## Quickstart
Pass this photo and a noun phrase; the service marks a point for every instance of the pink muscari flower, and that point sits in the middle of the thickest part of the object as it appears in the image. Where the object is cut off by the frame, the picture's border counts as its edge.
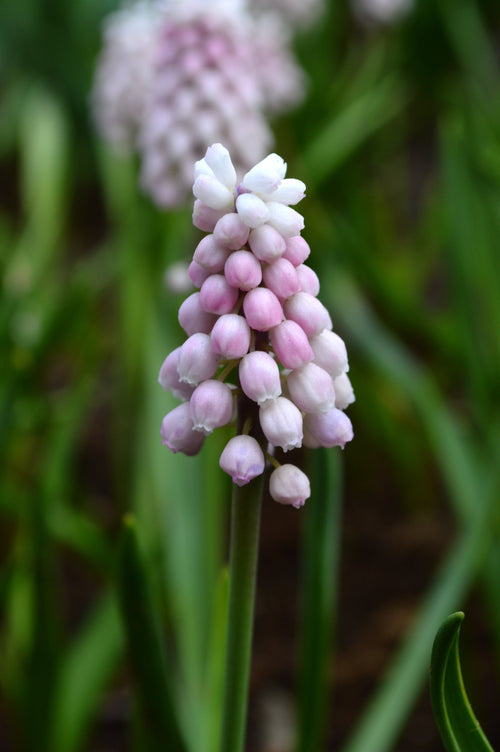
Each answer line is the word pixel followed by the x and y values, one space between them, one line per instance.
pixel 231 232
pixel 289 191
pixel 290 344
pixel 308 278
pixel 193 318
pixel 262 309
pixel 308 312
pixel 252 209
pixel 327 429
pixel 205 218
pixel 267 180
pixel 287 221
pixel 210 254
pixel 289 485
pixel 168 377
pixel 281 422
pixel 260 377
pixel 211 406
pixel 243 270
pixel 197 361
pixel 197 274
pixel 217 295
pixel 266 176
pixel 344 394
pixel 243 459
pixel 266 243
pixel 282 278
pixel 329 352
pixel 177 431
pixel 311 388
pixel 230 336
pixel 218 159
pixel 296 250
pixel 212 192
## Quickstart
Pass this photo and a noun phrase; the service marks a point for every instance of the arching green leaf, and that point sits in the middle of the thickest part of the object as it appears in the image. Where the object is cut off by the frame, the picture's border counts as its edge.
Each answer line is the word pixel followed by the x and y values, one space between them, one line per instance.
pixel 458 726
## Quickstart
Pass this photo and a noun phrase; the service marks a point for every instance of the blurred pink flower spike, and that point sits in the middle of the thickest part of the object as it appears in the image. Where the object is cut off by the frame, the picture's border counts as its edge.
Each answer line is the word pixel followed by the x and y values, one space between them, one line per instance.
pixel 174 77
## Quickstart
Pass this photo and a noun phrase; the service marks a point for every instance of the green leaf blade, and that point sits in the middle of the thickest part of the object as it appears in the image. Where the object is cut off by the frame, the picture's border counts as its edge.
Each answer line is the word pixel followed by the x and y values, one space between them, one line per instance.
pixel 458 726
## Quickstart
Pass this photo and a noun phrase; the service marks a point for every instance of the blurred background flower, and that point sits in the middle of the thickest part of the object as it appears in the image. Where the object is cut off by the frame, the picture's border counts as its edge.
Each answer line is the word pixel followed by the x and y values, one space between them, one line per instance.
pixel 175 77
pixel 125 73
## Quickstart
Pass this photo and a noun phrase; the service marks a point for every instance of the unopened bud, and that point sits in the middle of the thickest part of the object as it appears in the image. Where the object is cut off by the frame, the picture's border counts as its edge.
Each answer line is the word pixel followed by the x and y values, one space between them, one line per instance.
pixel 308 312
pixel 309 281
pixel 243 459
pixel 252 210
pixel 289 485
pixel 281 422
pixel 231 232
pixel 290 344
pixel 284 219
pixel 329 352
pixel 311 388
pixel 242 270
pixel 193 318
pixel 217 295
pixel 210 254
pixel 282 278
pixel 177 431
pixel 266 243
pixel 266 175
pixel 296 250
pixel 344 394
pixel 230 336
pixel 213 193
pixel 327 429
pixel 211 406
pixel 262 309
pixel 204 217
pixel 260 377
pixel 197 361
pixel 169 378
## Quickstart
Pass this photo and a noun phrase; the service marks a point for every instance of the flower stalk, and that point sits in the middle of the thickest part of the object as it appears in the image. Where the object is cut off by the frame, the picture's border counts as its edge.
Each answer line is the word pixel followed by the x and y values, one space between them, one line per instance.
pixel 245 527
pixel 244 548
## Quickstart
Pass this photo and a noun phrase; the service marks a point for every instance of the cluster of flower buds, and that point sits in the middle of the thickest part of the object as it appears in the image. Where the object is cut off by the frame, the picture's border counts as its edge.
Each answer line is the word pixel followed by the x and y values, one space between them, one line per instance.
pixel 257 334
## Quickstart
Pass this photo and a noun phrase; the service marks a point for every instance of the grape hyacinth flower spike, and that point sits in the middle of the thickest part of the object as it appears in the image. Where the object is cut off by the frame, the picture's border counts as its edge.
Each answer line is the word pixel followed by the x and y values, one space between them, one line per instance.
pixel 260 353
pixel 260 350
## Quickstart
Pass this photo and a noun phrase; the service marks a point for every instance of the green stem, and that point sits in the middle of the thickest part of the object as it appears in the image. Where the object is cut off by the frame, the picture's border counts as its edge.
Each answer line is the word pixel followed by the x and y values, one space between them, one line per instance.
pixel 245 525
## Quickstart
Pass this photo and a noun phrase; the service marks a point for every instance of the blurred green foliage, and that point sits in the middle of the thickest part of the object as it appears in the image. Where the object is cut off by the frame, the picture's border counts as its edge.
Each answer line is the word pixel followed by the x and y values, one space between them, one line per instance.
pixel 399 144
